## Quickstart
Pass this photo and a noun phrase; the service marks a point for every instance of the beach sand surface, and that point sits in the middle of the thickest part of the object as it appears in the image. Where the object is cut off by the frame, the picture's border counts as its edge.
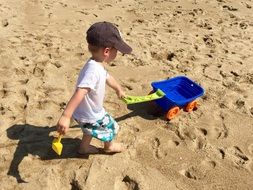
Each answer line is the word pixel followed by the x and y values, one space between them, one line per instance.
pixel 42 50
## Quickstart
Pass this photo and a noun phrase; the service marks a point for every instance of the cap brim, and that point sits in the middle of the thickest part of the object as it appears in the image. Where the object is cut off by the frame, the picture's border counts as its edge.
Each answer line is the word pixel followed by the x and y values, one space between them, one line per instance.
pixel 123 47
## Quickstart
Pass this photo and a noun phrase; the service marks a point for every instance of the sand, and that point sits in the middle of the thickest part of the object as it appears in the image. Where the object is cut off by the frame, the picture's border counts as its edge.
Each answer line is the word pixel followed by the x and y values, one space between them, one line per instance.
pixel 42 50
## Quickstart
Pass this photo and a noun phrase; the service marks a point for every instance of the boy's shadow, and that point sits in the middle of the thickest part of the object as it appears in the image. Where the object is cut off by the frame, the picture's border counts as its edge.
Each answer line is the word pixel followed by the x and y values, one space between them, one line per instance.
pixel 35 140
pixel 147 110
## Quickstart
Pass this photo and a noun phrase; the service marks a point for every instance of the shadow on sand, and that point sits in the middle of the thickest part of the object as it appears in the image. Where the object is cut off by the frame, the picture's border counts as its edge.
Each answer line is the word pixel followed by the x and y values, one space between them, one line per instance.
pixel 147 110
pixel 35 140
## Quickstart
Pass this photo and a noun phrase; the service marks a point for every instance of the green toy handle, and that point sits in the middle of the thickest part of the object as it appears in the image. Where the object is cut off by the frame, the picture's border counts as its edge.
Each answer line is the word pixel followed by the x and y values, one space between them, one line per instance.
pixel 138 99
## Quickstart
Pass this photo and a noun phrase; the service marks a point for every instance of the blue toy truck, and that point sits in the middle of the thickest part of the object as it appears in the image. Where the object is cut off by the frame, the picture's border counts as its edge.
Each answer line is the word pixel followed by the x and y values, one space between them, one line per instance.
pixel 172 95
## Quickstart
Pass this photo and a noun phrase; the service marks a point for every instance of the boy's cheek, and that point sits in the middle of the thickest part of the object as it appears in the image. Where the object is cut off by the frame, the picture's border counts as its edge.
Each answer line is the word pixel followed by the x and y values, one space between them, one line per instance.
pixel 115 54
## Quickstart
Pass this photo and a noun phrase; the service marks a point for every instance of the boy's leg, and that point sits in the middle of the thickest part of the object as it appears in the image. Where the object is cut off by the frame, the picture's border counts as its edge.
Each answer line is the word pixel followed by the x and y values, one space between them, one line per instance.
pixel 85 147
pixel 113 147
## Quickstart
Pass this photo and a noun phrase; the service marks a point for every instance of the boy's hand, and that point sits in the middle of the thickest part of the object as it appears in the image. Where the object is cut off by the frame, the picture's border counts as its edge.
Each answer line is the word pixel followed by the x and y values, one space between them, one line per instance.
pixel 64 121
pixel 63 125
pixel 120 93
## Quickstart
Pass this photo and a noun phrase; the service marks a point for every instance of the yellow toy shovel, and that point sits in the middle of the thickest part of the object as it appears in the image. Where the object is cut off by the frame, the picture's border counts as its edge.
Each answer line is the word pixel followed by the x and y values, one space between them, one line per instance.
pixel 57 145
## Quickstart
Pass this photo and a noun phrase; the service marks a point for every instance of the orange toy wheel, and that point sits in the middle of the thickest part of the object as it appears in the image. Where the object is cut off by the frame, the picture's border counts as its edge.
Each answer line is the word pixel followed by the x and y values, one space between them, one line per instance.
pixel 173 112
pixel 191 106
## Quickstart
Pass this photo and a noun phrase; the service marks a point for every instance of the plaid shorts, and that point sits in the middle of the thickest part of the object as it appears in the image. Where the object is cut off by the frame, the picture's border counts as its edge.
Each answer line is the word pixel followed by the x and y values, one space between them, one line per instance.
pixel 104 129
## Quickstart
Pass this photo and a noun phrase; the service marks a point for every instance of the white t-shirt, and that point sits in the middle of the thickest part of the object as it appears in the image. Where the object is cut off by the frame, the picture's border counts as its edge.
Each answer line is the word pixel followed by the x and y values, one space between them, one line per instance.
pixel 93 76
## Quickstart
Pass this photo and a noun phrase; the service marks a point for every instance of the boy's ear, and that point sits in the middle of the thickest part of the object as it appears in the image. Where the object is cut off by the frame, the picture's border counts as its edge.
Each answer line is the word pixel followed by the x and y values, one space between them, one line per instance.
pixel 106 51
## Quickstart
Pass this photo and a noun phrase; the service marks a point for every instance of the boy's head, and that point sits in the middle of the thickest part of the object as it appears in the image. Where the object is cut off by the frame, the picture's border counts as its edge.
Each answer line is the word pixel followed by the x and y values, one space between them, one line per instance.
pixel 104 37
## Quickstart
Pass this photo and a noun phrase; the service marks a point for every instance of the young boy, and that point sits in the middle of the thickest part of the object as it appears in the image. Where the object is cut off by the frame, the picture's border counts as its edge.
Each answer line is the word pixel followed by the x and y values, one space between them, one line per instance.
pixel 86 104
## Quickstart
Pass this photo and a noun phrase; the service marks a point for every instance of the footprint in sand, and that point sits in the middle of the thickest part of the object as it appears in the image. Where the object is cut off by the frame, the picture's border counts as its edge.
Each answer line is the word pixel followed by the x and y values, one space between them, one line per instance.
pixel 189 134
pixel 155 145
pixel 57 65
pixel 236 155
pixel 130 183
pixel 172 144
pixel 203 131
pixel 189 173
pixel 192 173
pixel 199 143
pixel 208 164
pixel 218 153
pixel 221 153
pixel 158 151
pixel 200 171
pixel 186 133
pixel 218 133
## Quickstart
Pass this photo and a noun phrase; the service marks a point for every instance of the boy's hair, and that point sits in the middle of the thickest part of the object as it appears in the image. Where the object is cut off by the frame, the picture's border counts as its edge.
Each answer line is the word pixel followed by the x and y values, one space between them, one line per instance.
pixel 105 34
pixel 93 49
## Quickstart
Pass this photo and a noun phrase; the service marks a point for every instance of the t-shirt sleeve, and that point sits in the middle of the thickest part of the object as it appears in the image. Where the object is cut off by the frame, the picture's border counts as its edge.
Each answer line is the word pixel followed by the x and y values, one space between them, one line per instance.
pixel 87 80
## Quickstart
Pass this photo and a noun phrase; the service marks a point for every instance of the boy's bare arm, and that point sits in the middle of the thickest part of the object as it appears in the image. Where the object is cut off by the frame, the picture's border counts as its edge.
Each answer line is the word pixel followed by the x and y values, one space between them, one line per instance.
pixel 110 81
pixel 64 121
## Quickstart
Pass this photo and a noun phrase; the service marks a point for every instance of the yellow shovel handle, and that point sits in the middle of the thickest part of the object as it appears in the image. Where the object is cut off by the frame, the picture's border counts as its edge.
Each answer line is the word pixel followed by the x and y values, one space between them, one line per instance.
pixel 59 138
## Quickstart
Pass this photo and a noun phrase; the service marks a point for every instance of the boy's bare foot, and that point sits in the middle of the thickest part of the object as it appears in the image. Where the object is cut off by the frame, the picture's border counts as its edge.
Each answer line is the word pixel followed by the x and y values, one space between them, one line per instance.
pixel 90 150
pixel 114 148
